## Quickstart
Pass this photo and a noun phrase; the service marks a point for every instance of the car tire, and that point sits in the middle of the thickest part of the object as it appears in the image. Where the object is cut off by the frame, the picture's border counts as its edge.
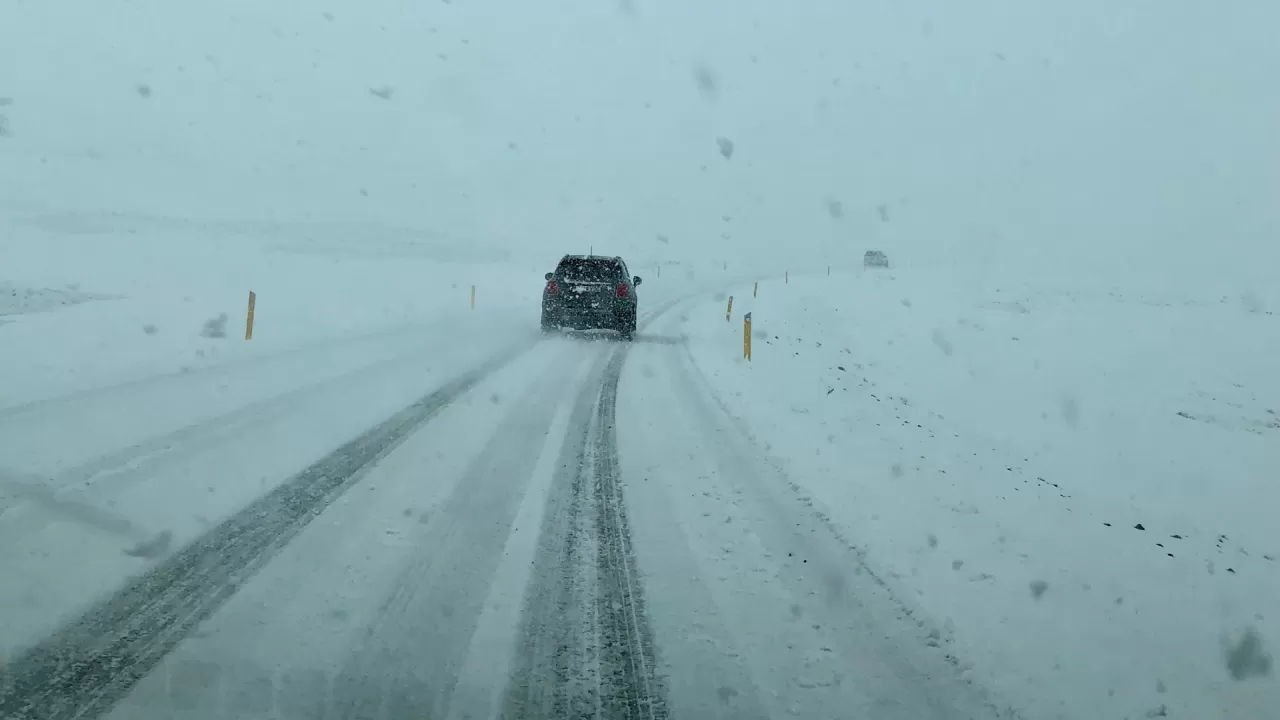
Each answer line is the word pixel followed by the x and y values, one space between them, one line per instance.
pixel 628 329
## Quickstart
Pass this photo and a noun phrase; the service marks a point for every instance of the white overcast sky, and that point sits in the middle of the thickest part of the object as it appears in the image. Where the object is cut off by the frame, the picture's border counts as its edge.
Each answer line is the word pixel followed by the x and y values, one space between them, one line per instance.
pixel 1142 131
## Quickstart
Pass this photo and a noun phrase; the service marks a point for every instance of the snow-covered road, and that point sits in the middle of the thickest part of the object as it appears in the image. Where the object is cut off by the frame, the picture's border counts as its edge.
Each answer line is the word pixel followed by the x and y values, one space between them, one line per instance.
pixel 563 528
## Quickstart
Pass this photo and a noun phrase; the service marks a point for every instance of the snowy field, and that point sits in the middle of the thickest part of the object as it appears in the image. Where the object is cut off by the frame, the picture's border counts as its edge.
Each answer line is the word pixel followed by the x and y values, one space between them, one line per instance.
pixel 1077 479
pixel 139 295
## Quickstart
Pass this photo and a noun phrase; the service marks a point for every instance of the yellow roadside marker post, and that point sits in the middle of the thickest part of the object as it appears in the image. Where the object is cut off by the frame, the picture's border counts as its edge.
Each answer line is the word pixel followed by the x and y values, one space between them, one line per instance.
pixel 248 323
pixel 746 336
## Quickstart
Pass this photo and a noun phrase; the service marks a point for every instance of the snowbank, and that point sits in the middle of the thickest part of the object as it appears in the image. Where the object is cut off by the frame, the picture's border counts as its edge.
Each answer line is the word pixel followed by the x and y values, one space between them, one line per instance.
pixel 1077 479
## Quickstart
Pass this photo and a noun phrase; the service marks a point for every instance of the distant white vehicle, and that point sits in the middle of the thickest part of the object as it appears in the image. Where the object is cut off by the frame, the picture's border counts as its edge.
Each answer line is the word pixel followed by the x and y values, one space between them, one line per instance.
pixel 875 259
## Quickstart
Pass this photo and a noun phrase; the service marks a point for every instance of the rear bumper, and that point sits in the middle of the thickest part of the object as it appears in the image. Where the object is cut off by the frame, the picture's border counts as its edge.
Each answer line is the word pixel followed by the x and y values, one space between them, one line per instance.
pixel 615 316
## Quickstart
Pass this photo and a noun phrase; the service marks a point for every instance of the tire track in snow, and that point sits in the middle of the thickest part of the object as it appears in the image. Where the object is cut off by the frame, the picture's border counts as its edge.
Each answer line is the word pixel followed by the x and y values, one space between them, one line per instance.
pixel 553 676
pixel 79 493
pixel 585 649
pixel 409 660
pixel 629 683
pixel 147 458
pixel 413 655
pixel 84 668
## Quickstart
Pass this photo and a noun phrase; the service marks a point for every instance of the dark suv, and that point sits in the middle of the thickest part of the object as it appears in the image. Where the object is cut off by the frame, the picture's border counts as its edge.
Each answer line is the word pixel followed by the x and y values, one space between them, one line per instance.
pixel 589 292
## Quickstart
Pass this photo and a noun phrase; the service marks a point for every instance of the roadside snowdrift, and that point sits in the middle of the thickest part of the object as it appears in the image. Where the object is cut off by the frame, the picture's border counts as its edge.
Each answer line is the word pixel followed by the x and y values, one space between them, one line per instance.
pixel 1076 480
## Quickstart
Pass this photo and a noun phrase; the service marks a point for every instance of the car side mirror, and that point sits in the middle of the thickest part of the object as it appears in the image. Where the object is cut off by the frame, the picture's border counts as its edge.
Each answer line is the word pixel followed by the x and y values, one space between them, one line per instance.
pixel 636 280
pixel 550 275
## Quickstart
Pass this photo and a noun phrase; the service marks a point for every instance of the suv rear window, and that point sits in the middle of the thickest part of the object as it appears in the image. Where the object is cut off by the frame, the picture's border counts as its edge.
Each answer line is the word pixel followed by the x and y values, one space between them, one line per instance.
pixel 589 270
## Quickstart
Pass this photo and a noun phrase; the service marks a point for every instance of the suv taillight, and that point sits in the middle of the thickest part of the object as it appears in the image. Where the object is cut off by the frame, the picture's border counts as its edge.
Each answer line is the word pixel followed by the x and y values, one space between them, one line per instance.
pixel 552 287
pixel 623 291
